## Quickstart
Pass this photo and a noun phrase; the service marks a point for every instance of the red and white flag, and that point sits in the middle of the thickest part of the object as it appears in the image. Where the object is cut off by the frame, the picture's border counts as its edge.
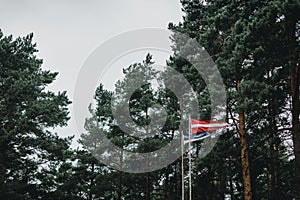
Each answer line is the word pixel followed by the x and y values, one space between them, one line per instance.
pixel 199 126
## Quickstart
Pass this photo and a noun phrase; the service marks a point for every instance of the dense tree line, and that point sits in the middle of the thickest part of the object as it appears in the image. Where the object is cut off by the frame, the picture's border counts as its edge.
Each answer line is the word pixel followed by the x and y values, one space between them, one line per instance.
pixel 255 45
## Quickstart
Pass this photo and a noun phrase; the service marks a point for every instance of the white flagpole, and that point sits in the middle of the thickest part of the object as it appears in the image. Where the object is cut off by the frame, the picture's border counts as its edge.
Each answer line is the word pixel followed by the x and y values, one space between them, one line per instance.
pixel 182 155
pixel 190 160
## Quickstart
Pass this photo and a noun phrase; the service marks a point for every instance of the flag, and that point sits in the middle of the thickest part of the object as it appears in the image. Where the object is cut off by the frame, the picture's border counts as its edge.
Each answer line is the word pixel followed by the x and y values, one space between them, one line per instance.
pixel 200 126
pixel 199 129
pixel 194 138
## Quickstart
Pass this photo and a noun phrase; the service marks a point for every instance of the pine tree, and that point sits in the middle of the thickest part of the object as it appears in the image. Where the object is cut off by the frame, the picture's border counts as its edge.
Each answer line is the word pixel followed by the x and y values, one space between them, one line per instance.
pixel 127 185
pixel 28 111
pixel 243 39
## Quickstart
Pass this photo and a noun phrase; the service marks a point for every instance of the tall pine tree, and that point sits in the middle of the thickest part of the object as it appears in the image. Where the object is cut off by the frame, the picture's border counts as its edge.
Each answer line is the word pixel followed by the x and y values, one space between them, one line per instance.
pixel 27 112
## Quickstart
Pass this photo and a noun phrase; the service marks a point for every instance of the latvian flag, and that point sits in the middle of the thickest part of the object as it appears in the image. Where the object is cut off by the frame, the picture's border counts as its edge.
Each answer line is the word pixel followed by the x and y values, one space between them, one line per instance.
pixel 200 128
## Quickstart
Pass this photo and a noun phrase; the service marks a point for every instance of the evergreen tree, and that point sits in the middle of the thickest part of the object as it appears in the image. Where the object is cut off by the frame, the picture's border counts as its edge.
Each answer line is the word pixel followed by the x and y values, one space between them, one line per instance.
pixel 28 150
pixel 134 186
pixel 249 41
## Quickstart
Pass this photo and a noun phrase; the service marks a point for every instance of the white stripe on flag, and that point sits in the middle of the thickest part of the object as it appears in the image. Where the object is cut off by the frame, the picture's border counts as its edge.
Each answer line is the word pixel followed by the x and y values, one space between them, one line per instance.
pixel 196 139
pixel 207 125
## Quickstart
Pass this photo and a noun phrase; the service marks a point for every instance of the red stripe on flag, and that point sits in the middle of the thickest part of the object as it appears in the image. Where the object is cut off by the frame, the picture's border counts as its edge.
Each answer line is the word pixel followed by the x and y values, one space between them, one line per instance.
pixel 199 126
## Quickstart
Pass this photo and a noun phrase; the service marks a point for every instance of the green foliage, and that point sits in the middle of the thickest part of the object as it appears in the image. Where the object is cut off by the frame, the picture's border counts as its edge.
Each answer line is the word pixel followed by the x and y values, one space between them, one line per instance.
pixel 249 41
pixel 27 111
pixel 254 43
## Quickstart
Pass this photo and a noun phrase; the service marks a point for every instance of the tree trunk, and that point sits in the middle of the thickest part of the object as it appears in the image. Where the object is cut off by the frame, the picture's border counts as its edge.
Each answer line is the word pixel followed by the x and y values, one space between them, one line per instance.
pixel 121 170
pixel 292 19
pixel 120 185
pixel 148 186
pixel 274 172
pixel 167 187
pixel 92 182
pixel 232 197
pixel 181 177
pixel 148 196
pixel 244 157
pixel 244 152
pixel 274 155
pixel 295 83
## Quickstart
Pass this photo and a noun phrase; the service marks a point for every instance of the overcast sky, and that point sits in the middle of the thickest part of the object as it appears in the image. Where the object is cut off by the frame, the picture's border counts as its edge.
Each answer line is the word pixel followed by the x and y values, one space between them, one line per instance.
pixel 67 31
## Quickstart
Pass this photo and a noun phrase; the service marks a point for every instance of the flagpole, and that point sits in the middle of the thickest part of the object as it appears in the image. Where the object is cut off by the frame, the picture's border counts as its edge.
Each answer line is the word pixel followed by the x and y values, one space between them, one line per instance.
pixel 190 160
pixel 182 166
pixel 182 155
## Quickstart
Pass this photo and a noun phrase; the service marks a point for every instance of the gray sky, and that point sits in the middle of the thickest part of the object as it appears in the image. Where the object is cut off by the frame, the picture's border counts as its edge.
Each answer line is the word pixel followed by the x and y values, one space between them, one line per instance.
pixel 67 31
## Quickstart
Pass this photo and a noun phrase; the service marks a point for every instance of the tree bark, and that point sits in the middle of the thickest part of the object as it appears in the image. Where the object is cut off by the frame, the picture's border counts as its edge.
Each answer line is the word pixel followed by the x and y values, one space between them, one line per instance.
pixel 245 158
pixel 244 152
